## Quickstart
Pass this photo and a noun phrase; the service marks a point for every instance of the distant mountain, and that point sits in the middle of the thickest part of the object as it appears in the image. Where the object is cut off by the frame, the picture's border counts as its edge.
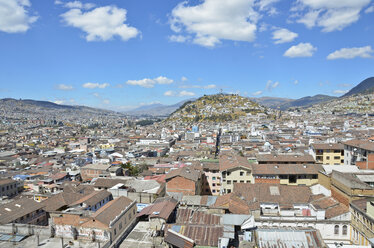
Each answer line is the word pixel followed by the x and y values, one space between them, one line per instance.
pixel 30 106
pixel 271 102
pixel 306 101
pixel 216 108
pixel 156 109
pixel 366 86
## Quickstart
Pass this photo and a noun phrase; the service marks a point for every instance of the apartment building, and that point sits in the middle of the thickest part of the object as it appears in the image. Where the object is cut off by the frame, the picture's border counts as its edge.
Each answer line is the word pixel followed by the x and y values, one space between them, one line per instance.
pixel 234 169
pixel 329 154
pixel 362 221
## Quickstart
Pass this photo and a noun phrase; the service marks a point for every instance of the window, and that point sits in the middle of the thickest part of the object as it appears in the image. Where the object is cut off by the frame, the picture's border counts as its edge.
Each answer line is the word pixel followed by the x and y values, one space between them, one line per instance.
pixel 327 157
pixel 345 230
pixel 336 157
pixel 336 230
pixel 228 173
pixel 120 226
pixel 115 231
pixel 228 181
pixel 214 178
pixel 248 173
pixel 241 173
pixel 214 191
pixel 228 191
pixel 235 181
pixel 242 181
pixel 213 184
pixel 248 181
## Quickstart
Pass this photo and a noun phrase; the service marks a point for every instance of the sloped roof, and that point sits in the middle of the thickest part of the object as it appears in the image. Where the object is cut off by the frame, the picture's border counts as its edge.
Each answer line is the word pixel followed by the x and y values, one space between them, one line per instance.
pixel 273 193
pixel 161 209
pixel 230 161
pixel 363 144
pixel 286 169
pixel 18 208
pixel 186 172
pixel 111 210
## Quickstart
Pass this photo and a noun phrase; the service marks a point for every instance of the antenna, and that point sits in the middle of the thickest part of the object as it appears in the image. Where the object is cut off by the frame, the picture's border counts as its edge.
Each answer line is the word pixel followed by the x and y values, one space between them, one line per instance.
pixel 221 91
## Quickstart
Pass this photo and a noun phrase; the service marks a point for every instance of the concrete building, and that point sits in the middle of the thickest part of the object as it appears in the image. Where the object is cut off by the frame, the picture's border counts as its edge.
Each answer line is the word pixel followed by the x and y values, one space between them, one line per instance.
pixel 357 151
pixel 234 169
pixel 330 154
pixel 10 187
pixel 362 212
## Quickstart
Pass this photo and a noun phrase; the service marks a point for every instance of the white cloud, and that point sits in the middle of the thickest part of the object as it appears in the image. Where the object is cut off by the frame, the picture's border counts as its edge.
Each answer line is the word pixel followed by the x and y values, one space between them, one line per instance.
pixel 186 93
pixel 283 35
pixel 106 101
pixel 345 85
pixel 330 15
pixel 257 93
pixel 339 92
pixel 95 85
pixel 163 80
pixel 14 16
pixel 178 38
pixel 101 24
pixel 59 102
pixel 350 53
pixel 266 5
pixel 271 85
pixel 296 82
pixel 300 50
pixel 150 83
pixel 96 94
pixel 182 93
pixel 184 79
pixel 370 9
pixel 213 20
pixel 64 87
pixel 78 5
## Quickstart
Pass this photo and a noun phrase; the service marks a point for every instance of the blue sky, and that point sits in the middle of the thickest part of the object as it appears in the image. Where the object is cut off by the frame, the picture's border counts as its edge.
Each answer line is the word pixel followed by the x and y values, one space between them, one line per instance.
pixel 126 53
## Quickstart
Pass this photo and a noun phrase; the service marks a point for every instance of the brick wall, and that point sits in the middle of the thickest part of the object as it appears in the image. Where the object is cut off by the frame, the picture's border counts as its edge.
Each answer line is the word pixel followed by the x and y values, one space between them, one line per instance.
pixel 181 185
pixel 369 165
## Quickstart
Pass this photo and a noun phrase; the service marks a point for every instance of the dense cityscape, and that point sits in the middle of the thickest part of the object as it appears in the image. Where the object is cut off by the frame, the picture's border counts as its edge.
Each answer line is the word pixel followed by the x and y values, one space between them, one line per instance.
pixel 186 123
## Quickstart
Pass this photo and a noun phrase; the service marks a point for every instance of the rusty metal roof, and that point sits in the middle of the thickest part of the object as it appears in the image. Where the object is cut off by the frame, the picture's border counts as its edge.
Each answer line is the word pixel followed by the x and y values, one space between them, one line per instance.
pixel 289 238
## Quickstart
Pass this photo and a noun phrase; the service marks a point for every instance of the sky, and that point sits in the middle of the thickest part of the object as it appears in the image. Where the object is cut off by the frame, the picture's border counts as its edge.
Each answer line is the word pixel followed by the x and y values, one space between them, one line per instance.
pixel 122 54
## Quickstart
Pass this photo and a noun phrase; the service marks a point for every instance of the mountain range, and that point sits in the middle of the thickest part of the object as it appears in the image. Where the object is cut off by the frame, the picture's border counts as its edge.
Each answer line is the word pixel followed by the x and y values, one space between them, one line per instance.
pixel 158 109
pixel 28 105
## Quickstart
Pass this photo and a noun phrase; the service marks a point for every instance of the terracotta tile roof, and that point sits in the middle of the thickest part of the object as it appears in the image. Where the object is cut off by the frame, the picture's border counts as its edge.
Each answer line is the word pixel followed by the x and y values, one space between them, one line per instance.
pixel 93 198
pixel 233 203
pixel 363 144
pixel 285 158
pixel 111 210
pixel 60 200
pixel 325 146
pixel 18 208
pixel 185 172
pixel 233 161
pixel 107 182
pixel 274 193
pixel 336 211
pixel 286 169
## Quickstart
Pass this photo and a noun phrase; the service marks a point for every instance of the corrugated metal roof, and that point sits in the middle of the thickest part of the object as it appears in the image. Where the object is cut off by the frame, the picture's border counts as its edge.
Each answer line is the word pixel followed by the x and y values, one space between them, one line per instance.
pixel 283 238
pixel 234 219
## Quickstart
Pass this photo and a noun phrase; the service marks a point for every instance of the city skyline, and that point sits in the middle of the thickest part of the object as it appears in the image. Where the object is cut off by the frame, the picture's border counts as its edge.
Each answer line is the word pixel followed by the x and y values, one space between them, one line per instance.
pixel 123 54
